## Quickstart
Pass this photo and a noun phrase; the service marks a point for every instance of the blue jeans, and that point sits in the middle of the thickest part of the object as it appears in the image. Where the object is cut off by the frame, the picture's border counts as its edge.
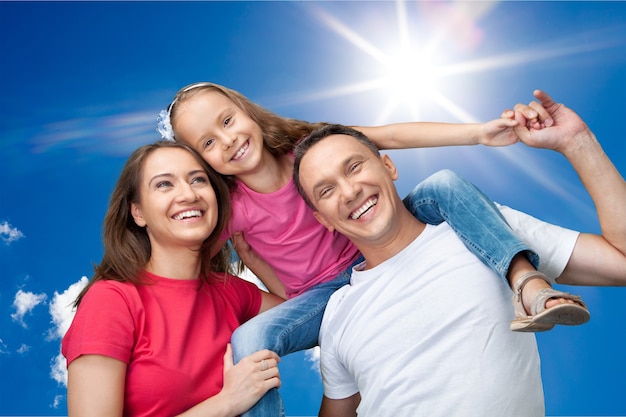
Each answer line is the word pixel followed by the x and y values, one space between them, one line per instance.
pixel 294 325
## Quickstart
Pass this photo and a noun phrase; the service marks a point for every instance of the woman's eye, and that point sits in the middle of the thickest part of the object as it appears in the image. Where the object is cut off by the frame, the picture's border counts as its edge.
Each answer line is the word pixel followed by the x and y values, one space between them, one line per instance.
pixel 163 184
pixel 199 180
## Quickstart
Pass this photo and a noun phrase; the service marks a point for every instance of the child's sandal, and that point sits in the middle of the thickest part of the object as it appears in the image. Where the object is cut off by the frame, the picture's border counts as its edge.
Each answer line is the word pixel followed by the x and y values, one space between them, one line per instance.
pixel 542 319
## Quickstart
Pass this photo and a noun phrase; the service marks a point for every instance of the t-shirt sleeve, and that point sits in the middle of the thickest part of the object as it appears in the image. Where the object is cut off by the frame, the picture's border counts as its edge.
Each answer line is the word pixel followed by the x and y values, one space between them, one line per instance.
pixel 103 324
pixel 247 296
pixel 554 244
pixel 338 383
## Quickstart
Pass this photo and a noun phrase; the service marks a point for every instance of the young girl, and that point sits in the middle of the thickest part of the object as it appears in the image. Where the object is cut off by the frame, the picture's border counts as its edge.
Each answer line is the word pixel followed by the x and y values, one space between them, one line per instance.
pixel 252 148
pixel 138 344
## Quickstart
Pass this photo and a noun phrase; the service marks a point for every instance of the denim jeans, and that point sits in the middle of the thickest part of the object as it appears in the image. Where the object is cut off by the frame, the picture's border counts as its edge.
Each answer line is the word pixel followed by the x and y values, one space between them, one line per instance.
pixel 289 327
pixel 294 325
pixel 477 221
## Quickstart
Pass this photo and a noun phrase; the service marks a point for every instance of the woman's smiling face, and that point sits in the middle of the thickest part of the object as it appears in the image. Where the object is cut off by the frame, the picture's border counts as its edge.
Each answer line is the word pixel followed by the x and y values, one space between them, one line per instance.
pixel 177 205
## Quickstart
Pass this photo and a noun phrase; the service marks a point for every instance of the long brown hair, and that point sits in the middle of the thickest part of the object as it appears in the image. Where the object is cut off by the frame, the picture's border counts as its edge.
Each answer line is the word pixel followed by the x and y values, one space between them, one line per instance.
pixel 127 247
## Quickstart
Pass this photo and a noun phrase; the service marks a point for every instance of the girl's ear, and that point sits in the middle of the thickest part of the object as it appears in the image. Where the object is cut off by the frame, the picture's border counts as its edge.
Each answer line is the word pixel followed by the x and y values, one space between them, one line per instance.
pixel 135 211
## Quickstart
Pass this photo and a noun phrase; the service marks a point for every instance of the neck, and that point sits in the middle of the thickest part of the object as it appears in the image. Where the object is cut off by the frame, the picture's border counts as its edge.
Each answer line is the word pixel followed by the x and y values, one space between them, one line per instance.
pixel 274 173
pixel 175 263
pixel 405 230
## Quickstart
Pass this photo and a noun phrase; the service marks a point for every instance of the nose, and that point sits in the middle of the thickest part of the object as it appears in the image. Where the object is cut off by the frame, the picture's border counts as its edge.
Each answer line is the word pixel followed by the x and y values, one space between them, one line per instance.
pixel 350 190
pixel 227 139
pixel 187 193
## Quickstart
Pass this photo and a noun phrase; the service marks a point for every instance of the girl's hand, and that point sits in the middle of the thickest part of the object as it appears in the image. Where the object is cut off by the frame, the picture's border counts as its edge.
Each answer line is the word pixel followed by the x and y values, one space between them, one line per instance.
pixel 498 132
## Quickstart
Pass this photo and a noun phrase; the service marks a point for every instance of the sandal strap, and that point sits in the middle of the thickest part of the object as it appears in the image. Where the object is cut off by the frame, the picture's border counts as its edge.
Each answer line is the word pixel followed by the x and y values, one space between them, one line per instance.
pixel 518 304
pixel 521 283
pixel 539 303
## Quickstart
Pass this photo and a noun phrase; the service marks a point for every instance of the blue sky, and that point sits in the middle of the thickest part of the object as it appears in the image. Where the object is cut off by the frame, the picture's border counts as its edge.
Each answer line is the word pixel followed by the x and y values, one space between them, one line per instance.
pixel 83 82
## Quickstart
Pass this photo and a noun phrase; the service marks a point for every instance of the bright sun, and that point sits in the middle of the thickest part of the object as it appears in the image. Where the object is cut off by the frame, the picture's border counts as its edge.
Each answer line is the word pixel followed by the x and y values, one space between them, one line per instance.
pixel 410 75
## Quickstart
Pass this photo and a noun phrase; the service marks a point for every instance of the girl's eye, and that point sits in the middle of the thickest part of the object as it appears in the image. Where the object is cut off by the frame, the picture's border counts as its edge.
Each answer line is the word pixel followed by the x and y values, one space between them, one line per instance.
pixel 227 121
pixel 208 143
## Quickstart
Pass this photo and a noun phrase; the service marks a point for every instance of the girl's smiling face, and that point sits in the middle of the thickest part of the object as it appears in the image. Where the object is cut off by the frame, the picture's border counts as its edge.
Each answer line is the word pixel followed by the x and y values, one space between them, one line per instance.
pixel 177 205
pixel 226 137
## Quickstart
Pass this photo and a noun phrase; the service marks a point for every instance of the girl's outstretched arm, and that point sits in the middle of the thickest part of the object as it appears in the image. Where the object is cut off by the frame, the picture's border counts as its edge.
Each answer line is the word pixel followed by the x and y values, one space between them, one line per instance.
pixel 497 132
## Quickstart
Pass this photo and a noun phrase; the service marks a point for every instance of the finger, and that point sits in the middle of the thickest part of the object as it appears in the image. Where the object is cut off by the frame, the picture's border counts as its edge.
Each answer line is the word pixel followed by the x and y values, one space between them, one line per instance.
pixel 527 110
pixel 507 114
pixel 521 130
pixel 544 98
pixel 264 354
pixel 228 358
pixel 543 116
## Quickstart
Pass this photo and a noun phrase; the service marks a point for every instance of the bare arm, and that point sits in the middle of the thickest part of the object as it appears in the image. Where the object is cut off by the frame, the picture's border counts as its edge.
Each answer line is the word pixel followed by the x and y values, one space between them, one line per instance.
pixel 95 386
pixel 258 266
pixel 497 132
pixel 345 407
pixel 269 300
pixel 597 259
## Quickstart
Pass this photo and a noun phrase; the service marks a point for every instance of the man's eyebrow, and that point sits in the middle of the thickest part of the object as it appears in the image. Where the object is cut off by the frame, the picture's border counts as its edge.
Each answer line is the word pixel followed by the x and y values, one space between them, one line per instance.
pixel 324 181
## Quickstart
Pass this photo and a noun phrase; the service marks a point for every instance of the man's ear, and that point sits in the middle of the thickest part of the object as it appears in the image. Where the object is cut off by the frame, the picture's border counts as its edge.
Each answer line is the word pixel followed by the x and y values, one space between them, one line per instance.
pixel 135 211
pixel 322 220
pixel 390 166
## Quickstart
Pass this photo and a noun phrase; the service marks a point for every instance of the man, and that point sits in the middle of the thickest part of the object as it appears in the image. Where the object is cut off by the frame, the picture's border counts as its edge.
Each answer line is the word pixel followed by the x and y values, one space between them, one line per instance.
pixel 423 327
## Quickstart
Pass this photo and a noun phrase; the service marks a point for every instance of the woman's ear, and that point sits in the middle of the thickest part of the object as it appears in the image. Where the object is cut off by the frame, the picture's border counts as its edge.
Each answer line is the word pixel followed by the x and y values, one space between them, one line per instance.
pixel 135 211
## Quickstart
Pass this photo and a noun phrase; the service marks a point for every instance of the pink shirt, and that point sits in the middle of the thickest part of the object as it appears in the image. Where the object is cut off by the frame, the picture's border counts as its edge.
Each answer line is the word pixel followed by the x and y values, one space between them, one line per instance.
pixel 172 335
pixel 281 228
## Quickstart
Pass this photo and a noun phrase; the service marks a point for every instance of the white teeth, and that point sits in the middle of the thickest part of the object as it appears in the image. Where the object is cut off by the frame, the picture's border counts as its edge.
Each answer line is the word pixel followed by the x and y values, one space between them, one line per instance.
pixel 365 207
pixel 187 214
pixel 241 151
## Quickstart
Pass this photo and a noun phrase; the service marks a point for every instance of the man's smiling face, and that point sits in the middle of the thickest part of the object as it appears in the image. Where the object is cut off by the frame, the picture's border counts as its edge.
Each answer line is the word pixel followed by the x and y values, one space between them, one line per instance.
pixel 351 188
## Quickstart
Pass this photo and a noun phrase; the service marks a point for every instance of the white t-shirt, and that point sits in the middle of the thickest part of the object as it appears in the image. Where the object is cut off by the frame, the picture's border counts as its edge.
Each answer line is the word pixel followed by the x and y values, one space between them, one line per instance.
pixel 554 244
pixel 426 333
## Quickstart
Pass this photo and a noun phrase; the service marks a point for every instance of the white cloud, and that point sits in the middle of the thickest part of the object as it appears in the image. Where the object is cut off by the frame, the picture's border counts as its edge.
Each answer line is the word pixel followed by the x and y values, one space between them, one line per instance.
pixel 24 303
pixel 23 349
pixel 57 401
pixel 62 315
pixel 313 355
pixel 9 233
pixel 58 369
pixel 3 348
pixel 61 308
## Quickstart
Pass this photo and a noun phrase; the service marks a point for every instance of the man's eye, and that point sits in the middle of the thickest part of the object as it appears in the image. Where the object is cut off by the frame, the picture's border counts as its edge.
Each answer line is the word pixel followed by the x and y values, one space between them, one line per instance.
pixel 354 166
pixel 325 192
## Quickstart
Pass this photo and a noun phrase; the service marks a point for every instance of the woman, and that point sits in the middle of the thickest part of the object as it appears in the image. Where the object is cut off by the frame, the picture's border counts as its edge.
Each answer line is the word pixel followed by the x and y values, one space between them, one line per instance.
pixel 152 328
